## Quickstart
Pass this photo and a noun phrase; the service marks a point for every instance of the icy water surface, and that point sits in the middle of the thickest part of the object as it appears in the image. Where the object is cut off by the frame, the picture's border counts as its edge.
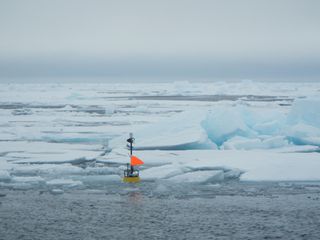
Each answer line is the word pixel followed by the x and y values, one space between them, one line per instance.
pixel 160 211
pixel 63 152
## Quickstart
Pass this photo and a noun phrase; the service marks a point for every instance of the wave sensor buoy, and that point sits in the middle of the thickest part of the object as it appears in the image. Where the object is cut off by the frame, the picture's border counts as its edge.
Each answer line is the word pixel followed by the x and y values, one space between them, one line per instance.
pixel 131 174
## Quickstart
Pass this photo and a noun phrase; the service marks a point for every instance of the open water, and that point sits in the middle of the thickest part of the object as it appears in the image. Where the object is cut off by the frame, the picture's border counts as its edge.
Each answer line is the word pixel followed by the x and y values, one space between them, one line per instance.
pixel 159 211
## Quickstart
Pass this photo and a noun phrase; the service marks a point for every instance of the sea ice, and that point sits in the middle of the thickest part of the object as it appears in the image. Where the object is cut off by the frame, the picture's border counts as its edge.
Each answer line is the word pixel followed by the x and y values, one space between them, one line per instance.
pixel 64 183
pixel 96 180
pixel 163 172
pixel 199 177
pixel 75 135
pixel 4 176
pixel 177 133
pixel 254 143
pixel 31 180
pixel 305 111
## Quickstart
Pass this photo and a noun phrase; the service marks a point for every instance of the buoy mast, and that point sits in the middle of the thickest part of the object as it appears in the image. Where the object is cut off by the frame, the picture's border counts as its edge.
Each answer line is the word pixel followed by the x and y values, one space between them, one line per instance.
pixel 131 175
pixel 131 140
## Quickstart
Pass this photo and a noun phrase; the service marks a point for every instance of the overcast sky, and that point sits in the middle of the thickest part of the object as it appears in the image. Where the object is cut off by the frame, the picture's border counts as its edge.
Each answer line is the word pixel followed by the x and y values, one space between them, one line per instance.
pixel 165 39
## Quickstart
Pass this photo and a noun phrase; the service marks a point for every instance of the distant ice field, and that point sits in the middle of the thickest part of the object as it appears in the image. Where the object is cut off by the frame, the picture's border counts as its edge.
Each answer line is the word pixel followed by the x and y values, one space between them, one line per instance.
pixel 62 136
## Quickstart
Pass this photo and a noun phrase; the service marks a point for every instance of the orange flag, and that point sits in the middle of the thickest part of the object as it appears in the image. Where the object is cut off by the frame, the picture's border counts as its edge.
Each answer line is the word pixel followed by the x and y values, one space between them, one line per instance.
pixel 136 161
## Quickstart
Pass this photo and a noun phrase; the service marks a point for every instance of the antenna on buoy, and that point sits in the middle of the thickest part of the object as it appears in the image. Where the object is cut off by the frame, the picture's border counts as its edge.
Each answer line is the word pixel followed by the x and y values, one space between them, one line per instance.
pixel 131 175
pixel 130 140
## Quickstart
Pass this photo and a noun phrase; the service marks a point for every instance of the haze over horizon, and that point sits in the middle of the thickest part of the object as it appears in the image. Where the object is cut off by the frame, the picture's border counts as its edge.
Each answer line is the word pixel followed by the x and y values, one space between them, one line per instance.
pixel 164 40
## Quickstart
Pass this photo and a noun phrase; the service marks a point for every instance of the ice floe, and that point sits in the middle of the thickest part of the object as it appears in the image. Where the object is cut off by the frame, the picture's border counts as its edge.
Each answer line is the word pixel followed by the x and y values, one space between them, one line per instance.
pixel 4 176
pixel 64 183
pixel 180 132
pixel 199 177
pixel 255 165
pixel 62 136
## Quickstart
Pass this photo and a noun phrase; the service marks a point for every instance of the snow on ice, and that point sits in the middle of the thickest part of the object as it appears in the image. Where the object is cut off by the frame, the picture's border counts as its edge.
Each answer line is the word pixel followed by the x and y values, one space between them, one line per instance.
pixel 64 136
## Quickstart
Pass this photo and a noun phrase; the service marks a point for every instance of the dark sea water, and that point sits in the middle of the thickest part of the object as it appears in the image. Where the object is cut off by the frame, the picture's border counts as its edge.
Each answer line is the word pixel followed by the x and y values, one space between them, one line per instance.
pixel 161 211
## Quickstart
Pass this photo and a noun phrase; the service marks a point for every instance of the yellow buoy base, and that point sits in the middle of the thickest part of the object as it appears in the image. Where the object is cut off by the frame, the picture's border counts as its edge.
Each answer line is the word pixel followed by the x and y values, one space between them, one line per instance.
pixel 131 179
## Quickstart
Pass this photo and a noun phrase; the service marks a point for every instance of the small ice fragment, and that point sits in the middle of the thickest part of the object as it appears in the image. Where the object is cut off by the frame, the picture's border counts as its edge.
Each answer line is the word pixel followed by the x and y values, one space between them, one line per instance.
pixel 4 176
pixel 56 191
pixel 68 183
pixel 29 180
pixel 199 177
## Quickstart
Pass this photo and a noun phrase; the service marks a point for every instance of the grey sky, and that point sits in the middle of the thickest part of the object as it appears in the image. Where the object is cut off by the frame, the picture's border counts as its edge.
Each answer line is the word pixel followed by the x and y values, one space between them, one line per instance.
pixel 198 38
